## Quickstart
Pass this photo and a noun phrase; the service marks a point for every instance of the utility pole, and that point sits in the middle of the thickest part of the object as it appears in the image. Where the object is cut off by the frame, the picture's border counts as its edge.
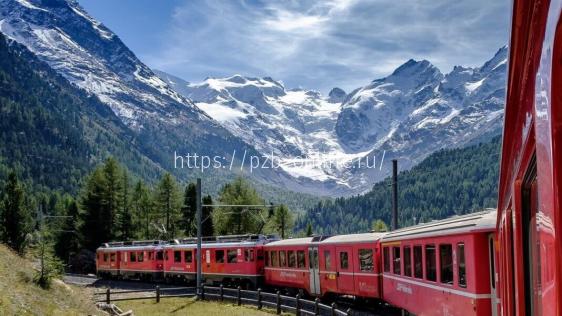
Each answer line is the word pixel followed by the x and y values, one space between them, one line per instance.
pixel 394 194
pixel 199 232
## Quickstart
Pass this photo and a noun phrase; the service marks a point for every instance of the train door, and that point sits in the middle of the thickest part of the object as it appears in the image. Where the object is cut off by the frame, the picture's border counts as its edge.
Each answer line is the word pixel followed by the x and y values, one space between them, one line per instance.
pixel 314 270
pixel 531 251
pixel 493 291
pixel 328 269
pixel 344 266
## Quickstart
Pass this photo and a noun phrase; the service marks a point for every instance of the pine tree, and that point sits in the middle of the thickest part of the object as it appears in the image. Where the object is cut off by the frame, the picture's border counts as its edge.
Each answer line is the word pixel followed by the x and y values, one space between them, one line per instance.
pixel 125 217
pixel 66 243
pixel 15 216
pixel 113 192
pixel 142 205
pixel 207 227
pixel 309 232
pixel 282 220
pixel 189 209
pixel 96 216
pixel 169 203
pixel 238 220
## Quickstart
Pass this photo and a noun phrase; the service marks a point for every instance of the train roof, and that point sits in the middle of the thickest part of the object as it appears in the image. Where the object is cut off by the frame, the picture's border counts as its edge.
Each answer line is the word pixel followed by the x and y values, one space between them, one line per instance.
pixel 355 238
pixel 470 223
pixel 292 242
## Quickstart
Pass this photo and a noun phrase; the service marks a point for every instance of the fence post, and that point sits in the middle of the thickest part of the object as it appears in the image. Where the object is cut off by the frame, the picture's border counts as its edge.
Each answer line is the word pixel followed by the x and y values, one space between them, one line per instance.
pixel 108 296
pixel 333 310
pixel 316 306
pixel 222 292
pixel 348 312
pixel 202 292
pixel 278 302
pixel 298 304
pixel 158 294
pixel 259 299
pixel 239 297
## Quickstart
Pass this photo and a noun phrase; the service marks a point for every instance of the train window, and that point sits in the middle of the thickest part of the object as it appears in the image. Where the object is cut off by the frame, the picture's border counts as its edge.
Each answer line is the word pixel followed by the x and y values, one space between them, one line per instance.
pixel 396 260
pixel 133 256
pixel 292 258
pixel 140 256
pixel 446 263
pixel 282 258
pixel 232 256
pixel 462 265
pixel 327 260
pixel 112 257
pixel 407 261
pixel 344 260
pixel 188 256
pixel 260 255
pixel 430 268
pixel 274 259
pixel 386 256
pixel 177 256
pixel 105 257
pixel 300 259
pixel 418 265
pixel 160 255
pixel 150 255
pixel 219 256
pixel 366 260
pixel 267 258
pixel 249 255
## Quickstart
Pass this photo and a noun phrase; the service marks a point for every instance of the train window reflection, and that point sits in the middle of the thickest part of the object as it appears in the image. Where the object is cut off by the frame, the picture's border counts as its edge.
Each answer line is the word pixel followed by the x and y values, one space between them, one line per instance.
pixel 300 259
pixel 327 260
pixel 430 268
pixel 396 260
pixel 418 265
pixel 344 260
pixel 274 259
pixel 133 257
pixel 366 260
pixel 188 256
pixel 446 263
pixel 386 256
pixel 219 256
pixel 407 261
pixel 292 259
pixel 232 256
pixel 462 265
pixel 282 259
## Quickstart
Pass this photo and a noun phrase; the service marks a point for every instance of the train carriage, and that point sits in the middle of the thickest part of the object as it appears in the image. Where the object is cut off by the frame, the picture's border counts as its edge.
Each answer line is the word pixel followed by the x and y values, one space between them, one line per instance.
pixel 132 260
pixel 287 265
pixel 225 259
pixel 444 267
pixel 530 186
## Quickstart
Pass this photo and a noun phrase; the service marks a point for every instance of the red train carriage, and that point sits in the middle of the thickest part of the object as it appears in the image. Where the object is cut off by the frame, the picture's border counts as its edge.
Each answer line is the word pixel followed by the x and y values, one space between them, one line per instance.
pixel 530 187
pixel 225 259
pixel 443 267
pixel 338 265
pixel 133 260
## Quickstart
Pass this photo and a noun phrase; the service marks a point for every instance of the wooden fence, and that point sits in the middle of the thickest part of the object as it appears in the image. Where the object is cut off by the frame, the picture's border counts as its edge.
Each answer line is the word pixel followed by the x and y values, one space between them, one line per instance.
pixel 280 303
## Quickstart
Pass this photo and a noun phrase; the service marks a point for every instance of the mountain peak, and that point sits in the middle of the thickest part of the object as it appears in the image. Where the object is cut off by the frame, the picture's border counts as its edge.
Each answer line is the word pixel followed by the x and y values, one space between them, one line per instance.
pixel 413 67
pixel 336 95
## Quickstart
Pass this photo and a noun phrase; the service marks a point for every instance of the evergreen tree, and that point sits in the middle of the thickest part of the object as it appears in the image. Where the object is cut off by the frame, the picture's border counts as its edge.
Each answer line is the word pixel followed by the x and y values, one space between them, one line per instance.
pixel 66 243
pixel 125 216
pixel 142 205
pixel 169 204
pixel 207 227
pixel 96 217
pixel 189 209
pixel 309 232
pixel 282 220
pixel 113 193
pixel 238 220
pixel 16 218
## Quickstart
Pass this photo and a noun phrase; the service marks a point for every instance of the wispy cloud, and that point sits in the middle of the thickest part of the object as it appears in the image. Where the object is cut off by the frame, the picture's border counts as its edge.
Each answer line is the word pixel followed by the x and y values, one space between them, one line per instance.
pixel 321 44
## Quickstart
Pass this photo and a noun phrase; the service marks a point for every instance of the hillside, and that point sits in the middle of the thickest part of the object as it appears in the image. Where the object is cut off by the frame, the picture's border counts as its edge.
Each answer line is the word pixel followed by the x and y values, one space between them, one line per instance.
pixel 447 182
pixel 20 296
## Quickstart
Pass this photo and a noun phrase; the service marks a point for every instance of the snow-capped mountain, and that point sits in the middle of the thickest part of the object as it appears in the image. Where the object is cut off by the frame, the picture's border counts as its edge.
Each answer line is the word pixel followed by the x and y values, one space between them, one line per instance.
pixel 408 115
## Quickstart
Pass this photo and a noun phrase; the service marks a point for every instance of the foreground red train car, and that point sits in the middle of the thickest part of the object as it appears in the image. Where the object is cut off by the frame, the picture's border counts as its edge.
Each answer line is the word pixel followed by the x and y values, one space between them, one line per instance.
pixel 444 267
pixel 529 222
pixel 135 260
pixel 326 266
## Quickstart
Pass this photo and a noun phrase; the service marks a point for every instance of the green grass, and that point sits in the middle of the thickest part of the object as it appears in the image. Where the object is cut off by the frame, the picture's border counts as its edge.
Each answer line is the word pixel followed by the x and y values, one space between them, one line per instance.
pixel 189 306
pixel 20 296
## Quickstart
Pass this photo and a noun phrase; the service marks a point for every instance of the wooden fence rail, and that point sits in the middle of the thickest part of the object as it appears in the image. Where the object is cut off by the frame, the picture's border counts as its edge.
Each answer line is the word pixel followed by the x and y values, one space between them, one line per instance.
pixel 280 303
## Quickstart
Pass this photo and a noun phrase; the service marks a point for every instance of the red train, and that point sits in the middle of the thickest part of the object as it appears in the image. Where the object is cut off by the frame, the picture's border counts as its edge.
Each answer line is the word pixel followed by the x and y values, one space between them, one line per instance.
pixel 446 267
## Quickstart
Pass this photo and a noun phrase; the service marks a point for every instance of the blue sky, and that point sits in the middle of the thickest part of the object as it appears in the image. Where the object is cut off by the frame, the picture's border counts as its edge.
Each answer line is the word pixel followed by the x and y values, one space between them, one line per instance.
pixel 309 44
